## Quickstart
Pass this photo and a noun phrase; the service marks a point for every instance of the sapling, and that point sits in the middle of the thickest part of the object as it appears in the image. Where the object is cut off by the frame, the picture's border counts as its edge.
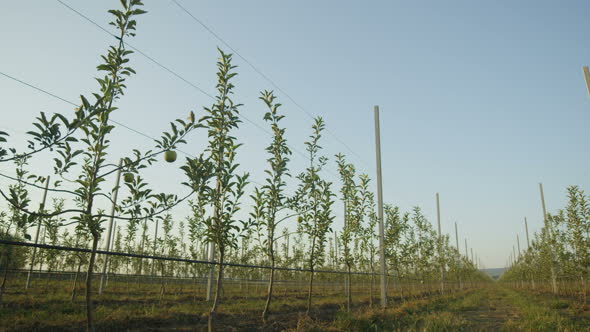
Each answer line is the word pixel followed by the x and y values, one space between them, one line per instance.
pixel 314 204
pixel 270 200
pixel 368 233
pixel 218 165
pixel 353 217
pixel 11 258
pixel 52 227
pixel 426 239
pixel 564 241
pixel 84 142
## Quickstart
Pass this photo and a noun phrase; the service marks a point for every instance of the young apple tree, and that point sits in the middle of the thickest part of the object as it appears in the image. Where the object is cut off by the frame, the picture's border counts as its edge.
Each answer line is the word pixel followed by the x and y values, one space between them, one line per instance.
pixel 270 200
pixel 353 217
pixel 213 175
pixel 82 144
pixel 314 204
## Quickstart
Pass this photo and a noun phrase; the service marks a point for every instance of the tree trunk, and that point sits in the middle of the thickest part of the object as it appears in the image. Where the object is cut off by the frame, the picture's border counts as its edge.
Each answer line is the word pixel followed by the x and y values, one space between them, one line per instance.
pixel 142 246
pixel 310 289
pixel 196 286
pixel 583 290
pixel 162 284
pixel 270 286
pixel 89 309
pixel 219 284
pixel 4 276
pixel 73 297
pixel 371 288
pixel 349 290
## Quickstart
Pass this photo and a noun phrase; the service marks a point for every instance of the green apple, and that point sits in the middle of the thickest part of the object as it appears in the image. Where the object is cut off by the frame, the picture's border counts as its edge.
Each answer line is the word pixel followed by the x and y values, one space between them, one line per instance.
pixel 170 156
pixel 128 177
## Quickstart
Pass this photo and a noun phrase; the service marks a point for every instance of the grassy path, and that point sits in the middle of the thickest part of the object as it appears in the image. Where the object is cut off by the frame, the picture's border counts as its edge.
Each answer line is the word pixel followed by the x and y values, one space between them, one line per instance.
pixel 496 308
pixel 489 309
pixel 493 308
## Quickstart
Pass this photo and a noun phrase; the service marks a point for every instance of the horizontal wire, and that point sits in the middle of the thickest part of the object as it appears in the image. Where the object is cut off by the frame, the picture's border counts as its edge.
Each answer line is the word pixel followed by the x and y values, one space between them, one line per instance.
pixel 175 74
pixel 114 121
pixel 264 76
pixel 179 259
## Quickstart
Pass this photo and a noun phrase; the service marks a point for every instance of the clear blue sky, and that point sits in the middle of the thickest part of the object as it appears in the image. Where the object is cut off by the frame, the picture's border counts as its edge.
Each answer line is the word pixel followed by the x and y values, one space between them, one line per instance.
pixel 480 100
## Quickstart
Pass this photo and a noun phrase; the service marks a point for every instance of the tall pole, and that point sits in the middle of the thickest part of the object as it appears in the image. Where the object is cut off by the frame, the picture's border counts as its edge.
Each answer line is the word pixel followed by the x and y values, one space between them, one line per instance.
pixel 287 248
pixel 526 228
pixel 110 230
pixel 466 249
pixel 528 244
pixel 346 276
pixel 518 244
pixel 113 242
pixel 514 253
pixel 42 242
pixel 154 249
pixel 380 208
pixel 41 208
pixel 550 235
pixel 457 239
pixel 336 246
pixel 459 253
pixel 440 252
pixel 586 72
pixel 210 280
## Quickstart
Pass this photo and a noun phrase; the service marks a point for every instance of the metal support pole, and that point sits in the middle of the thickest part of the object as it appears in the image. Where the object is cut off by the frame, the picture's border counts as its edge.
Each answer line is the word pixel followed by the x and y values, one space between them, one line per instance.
pixel 110 230
pixel 514 253
pixel 459 253
pixel 466 249
pixel 550 235
pixel 440 251
pixel 287 248
pixel 113 242
pixel 42 242
pixel 155 247
pixel 336 246
pixel 380 208
pixel 526 228
pixel 210 278
pixel 346 276
pixel 518 244
pixel 586 72
pixel 41 208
